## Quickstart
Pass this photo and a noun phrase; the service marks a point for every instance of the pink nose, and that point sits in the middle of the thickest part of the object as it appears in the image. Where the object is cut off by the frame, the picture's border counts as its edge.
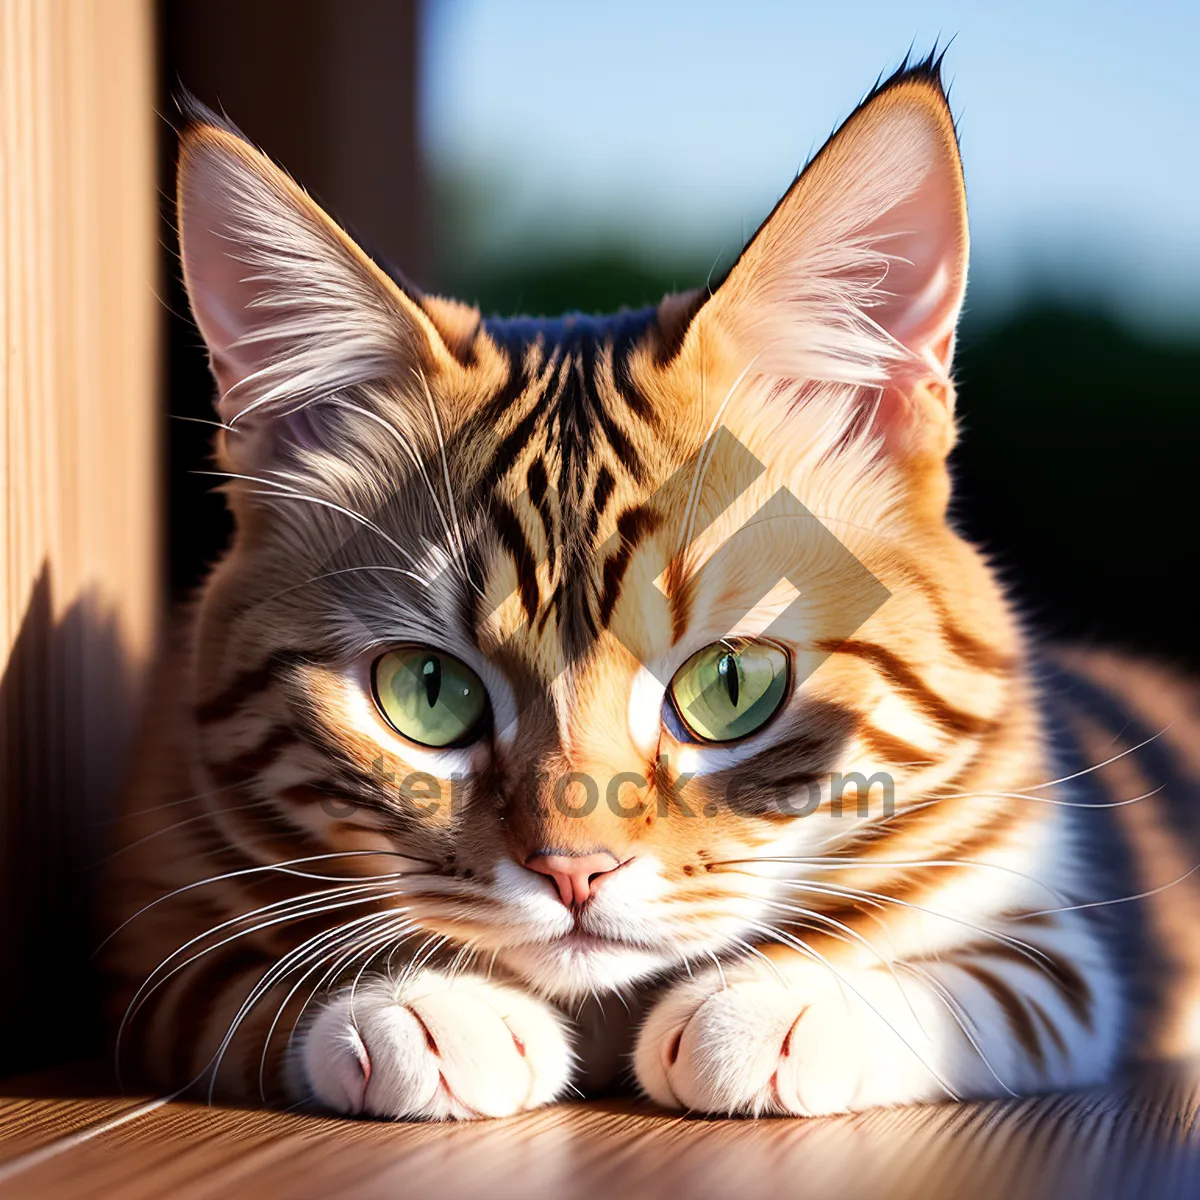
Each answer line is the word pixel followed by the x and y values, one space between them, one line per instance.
pixel 577 876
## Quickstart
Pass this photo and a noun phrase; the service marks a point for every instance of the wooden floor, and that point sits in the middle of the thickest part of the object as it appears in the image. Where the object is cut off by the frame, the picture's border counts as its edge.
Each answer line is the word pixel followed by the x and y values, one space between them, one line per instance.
pixel 63 1138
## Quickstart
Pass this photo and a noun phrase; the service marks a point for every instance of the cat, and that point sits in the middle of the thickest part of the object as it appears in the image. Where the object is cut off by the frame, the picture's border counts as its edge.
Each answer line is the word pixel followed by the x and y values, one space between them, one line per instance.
pixel 604 699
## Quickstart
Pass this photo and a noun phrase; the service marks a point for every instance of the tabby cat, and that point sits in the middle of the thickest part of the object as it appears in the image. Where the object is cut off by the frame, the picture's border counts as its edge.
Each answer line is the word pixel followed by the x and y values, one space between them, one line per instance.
pixel 605 699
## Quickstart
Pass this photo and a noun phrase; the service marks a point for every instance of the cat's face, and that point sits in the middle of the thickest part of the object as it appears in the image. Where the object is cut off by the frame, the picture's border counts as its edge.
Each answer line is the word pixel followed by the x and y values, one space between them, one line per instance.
pixel 531 609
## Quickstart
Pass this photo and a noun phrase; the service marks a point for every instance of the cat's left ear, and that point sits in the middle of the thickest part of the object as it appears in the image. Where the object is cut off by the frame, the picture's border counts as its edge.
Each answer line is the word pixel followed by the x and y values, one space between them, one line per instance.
pixel 858 275
pixel 292 311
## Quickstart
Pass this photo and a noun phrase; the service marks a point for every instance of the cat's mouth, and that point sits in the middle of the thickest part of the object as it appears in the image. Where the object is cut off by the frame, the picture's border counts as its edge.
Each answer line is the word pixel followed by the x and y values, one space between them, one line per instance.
pixel 581 939
pixel 584 941
pixel 580 960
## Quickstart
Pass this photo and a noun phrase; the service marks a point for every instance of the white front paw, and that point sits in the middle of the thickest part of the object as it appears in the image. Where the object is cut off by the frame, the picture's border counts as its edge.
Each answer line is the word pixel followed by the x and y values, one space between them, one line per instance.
pixel 435 1047
pixel 757 1044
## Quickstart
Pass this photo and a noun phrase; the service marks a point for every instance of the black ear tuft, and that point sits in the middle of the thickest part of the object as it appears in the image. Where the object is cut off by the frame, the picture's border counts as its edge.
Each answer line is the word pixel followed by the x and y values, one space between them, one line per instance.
pixel 193 112
pixel 911 70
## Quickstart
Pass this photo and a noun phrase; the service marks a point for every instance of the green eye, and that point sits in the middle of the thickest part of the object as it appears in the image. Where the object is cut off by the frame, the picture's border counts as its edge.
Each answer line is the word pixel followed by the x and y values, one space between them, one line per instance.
pixel 728 690
pixel 429 697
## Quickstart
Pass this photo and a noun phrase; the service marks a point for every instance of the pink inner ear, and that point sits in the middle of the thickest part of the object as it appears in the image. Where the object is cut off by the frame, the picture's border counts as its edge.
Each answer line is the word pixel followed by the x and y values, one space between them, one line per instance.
pixel 218 290
pixel 226 301
pixel 919 302
pixel 857 276
pixel 921 294
pixel 219 322
pixel 223 296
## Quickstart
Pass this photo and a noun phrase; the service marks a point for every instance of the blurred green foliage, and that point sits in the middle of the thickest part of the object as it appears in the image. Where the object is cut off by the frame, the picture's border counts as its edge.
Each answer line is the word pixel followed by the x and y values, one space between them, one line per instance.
pixel 597 281
pixel 1078 469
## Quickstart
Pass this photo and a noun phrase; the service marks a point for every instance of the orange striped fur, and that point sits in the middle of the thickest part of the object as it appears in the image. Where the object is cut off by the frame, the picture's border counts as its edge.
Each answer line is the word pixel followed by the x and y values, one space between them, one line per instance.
pixel 312 908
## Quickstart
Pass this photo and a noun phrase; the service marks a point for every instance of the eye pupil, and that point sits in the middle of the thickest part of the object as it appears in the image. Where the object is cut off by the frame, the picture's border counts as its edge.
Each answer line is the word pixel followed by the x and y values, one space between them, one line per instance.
pixel 727 669
pixel 431 670
pixel 429 697
pixel 727 690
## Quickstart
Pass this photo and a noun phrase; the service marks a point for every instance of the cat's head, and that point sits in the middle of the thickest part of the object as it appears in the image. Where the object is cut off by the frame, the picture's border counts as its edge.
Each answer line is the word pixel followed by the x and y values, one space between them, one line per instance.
pixel 583 618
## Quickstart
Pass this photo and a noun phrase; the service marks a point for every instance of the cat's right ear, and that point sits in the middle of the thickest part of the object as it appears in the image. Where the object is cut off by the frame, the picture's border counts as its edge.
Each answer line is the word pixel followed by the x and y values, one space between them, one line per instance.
pixel 292 311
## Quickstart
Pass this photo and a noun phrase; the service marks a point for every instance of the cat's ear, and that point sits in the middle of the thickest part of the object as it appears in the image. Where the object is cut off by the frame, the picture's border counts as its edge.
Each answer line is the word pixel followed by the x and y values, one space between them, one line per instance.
pixel 291 310
pixel 858 275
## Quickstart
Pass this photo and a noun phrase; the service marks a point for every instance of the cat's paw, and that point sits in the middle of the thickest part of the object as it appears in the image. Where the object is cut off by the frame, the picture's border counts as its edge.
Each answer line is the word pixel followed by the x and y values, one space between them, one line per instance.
pixel 749 1042
pixel 434 1047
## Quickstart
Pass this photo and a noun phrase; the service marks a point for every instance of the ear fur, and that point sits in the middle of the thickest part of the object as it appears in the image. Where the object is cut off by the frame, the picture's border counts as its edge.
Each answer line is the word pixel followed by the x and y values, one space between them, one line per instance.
pixel 858 275
pixel 292 311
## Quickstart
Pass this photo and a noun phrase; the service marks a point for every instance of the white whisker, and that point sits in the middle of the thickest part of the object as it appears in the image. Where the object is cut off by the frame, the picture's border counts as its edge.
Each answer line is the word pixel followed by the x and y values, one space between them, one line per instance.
pixel 282 491
pixel 707 449
pixel 860 864
pixel 854 936
pixel 437 428
pixel 301 908
pixel 803 948
pixel 1038 957
pixel 283 867
pixel 1115 900
pixel 961 1018
pixel 320 961
pixel 278 971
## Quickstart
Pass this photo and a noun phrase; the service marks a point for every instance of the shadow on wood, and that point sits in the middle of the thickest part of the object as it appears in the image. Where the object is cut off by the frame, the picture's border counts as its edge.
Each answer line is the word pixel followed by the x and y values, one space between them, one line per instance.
pixel 67 711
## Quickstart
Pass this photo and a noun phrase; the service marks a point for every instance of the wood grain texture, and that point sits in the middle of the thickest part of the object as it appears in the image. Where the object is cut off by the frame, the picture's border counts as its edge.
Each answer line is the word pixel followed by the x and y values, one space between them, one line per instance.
pixel 1141 1139
pixel 79 466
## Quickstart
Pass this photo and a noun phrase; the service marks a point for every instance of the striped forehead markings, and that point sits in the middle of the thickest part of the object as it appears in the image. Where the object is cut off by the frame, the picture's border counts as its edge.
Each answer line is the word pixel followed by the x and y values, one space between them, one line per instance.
pixel 575 381
pixel 563 385
pixel 584 359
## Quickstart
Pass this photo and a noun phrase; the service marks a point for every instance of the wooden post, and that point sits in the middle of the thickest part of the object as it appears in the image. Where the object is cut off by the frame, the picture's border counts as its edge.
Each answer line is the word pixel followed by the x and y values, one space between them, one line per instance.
pixel 79 468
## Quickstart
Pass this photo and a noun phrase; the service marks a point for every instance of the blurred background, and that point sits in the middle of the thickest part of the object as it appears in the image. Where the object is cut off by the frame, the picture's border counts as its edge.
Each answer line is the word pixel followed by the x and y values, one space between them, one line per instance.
pixel 536 156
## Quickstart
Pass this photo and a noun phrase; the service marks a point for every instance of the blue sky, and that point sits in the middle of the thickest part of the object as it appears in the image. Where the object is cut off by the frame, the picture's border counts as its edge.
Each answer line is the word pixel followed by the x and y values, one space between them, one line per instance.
pixel 676 124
